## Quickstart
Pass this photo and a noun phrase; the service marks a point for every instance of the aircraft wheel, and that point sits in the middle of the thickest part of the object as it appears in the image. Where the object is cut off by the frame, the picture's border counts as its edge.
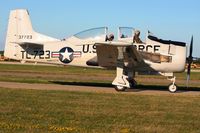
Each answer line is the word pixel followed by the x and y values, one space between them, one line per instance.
pixel 172 88
pixel 132 83
pixel 120 88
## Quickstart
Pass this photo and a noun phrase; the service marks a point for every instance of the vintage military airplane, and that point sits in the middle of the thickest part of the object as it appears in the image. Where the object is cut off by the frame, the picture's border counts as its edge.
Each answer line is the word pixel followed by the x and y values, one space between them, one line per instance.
pixel 96 48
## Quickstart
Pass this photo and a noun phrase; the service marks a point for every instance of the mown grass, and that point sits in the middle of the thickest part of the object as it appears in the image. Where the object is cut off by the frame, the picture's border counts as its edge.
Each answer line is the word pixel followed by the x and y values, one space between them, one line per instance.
pixel 52 69
pixel 49 80
pixel 76 70
pixel 62 111
pixel 55 74
pixel 52 73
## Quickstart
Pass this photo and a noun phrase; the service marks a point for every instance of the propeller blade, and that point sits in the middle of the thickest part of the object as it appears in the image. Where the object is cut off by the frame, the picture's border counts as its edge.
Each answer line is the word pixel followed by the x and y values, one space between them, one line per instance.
pixel 189 61
pixel 191 47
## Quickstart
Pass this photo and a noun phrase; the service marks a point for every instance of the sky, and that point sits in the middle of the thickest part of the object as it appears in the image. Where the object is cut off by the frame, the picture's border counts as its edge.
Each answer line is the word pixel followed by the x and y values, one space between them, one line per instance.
pixel 167 19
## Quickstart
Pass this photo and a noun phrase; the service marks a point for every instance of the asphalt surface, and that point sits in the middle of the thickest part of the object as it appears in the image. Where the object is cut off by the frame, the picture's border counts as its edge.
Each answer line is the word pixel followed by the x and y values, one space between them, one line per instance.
pixel 94 89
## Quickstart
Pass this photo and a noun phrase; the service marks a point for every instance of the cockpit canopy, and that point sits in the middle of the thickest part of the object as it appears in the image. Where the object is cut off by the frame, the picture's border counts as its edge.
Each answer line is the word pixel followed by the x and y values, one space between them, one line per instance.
pixel 93 34
pixel 124 34
pixel 101 34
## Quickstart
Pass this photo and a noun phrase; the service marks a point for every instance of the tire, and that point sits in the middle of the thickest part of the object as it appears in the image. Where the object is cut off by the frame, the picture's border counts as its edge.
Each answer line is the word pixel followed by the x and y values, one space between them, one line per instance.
pixel 132 83
pixel 172 88
pixel 120 88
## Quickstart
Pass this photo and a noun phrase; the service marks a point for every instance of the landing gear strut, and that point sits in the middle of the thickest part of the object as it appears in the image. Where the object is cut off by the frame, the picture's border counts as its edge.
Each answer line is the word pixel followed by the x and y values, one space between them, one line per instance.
pixel 124 74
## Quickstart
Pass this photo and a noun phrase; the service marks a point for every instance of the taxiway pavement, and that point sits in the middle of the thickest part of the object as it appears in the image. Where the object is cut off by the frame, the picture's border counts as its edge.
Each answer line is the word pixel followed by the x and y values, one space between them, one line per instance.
pixel 93 89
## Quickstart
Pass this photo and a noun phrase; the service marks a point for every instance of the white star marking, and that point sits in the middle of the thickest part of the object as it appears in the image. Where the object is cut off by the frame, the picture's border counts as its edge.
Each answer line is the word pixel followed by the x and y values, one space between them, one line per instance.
pixel 66 55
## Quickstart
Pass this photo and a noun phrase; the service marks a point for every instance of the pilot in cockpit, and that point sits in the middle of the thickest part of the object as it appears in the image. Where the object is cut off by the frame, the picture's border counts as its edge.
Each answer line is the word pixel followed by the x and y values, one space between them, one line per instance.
pixel 110 37
pixel 136 38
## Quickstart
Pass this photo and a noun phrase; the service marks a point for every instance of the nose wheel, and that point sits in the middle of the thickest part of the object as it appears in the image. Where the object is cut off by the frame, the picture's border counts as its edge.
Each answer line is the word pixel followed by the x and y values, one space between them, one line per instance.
pixel 172 88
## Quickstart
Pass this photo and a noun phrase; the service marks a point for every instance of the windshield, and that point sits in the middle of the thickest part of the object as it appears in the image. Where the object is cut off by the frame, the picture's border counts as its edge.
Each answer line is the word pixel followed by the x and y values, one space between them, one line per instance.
pixel 95 33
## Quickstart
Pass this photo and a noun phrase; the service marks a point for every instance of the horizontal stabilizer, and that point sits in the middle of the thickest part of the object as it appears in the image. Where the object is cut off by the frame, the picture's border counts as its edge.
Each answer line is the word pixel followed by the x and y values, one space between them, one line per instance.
pixel 28 43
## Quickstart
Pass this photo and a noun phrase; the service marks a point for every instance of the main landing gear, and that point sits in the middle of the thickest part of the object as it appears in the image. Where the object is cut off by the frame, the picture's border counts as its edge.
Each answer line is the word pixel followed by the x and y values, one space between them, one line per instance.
pixel 121 80
pixel 124 78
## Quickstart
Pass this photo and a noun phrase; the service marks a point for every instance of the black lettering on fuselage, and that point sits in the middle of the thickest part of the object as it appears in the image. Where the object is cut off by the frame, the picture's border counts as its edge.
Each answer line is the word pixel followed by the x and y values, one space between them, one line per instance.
pixel 25 36
pixel 148 48
pixel 41 54
pixel 86 48
pixel 48 53
pixel 141 47
pixel 156 48
pixel 37 53
pixel 94 48
pixel 27 57
pixel 23 54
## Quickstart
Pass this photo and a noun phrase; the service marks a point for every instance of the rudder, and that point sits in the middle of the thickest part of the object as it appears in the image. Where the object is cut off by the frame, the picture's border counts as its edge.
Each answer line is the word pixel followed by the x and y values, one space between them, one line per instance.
pixel 20 30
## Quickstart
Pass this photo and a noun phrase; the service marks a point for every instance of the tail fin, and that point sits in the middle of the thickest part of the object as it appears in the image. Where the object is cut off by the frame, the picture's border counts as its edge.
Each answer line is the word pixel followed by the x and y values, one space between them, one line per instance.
pixel 20 30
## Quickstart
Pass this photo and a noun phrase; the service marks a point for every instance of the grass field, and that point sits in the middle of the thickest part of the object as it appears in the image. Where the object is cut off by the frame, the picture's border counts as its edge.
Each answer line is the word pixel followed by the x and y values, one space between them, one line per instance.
pixel 86 76
pixel 61 111
pixel 65 111
pixel 44 74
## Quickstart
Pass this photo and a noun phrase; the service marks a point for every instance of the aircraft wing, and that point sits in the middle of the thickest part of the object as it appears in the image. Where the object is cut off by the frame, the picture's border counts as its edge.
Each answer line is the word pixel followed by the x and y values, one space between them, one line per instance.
pixel 108 53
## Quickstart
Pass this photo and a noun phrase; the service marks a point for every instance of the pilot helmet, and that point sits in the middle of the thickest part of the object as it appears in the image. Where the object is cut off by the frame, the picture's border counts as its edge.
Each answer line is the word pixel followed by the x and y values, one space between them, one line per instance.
pixel 137 32
pixel 111 36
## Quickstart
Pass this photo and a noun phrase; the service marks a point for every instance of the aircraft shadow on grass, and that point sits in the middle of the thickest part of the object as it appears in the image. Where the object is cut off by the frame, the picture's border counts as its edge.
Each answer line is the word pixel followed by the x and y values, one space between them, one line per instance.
pixel 137 88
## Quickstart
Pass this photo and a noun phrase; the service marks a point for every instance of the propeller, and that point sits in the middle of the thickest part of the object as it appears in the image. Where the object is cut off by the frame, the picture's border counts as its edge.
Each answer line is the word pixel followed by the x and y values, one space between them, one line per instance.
pixel 189 61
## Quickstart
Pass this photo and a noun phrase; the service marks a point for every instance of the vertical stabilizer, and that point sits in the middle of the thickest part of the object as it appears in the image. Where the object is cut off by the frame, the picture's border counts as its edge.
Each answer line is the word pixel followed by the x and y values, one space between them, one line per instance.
pixel 20 30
